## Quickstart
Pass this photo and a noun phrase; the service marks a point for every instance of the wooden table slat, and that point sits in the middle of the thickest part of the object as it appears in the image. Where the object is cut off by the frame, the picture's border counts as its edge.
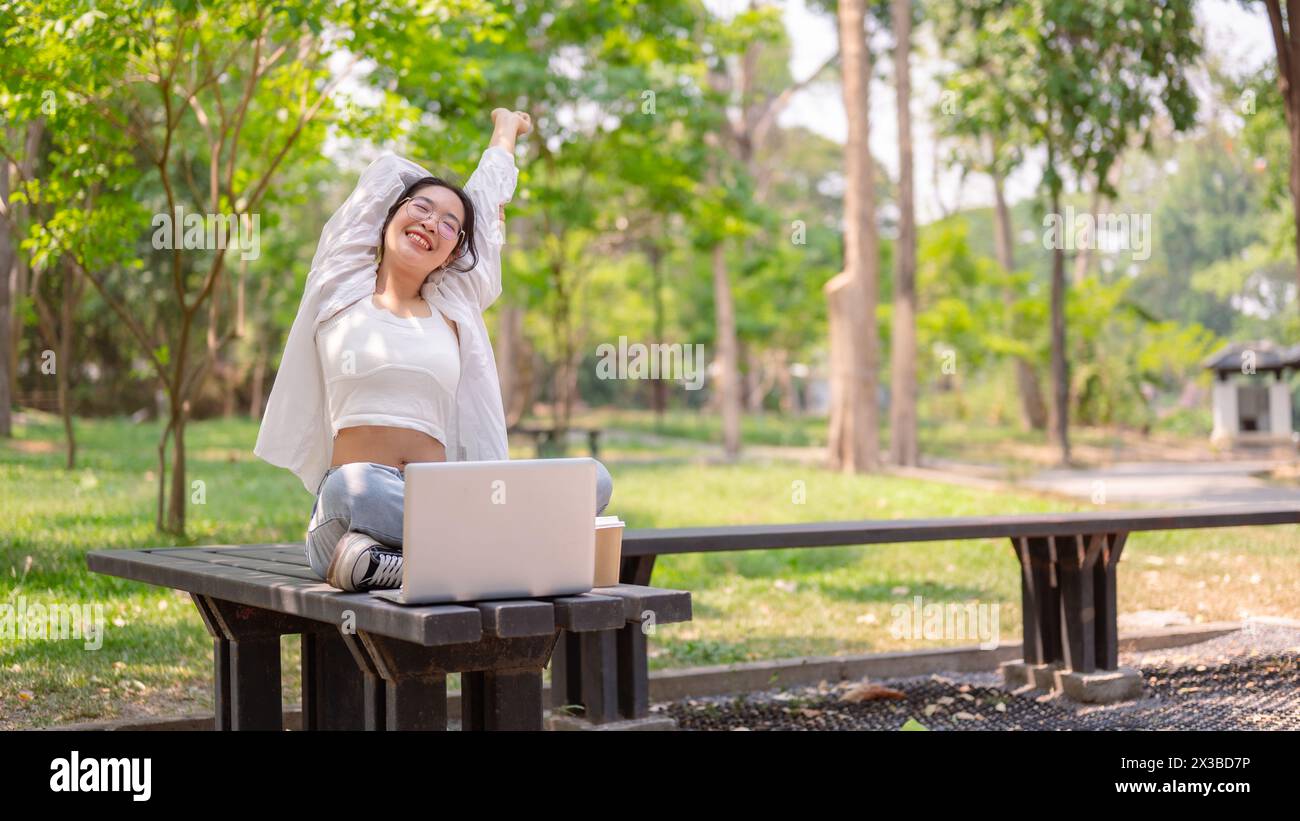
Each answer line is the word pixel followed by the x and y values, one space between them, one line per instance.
pixel 667 605
pixel 429 625
pixel 517 617
pixel 587 612
pixel 208 557
pixel 897 531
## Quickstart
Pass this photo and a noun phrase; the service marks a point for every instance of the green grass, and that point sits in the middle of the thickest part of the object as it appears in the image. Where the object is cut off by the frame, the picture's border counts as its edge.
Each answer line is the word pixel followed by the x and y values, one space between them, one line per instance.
pixel 155 657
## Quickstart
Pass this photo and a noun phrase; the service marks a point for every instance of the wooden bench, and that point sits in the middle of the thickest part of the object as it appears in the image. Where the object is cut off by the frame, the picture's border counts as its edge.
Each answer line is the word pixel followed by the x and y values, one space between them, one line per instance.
pixel 371 664
pixel 1068 565
pixel 545 436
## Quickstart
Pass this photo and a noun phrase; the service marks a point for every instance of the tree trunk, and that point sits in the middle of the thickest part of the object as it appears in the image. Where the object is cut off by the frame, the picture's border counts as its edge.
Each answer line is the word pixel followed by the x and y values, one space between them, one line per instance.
pixel 1083 256
pixel 1288 72
pixel 728 387
pixel 72 289
pixel 785 384
pixel 13 269
pixel 179 496
pixel 753 380
pixel 854 440
pixel 851 423
pixel 228 373
pixel 8 259
pixel 514 365
pixel 256 388
pixel 1033 410
pixel 1060 366
pixel 903 446
pixel 658 387
pixel 1293 131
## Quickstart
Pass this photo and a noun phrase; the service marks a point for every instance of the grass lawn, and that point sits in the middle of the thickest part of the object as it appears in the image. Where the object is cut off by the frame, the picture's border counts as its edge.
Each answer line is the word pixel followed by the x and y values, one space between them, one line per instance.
pixel 1007 448
pixel 155 657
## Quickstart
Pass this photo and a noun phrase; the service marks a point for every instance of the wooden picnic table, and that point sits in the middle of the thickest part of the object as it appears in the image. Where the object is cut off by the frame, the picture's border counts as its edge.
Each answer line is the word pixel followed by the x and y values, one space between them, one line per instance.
pixel 544 436
pixel 373 664
pixel 1068 566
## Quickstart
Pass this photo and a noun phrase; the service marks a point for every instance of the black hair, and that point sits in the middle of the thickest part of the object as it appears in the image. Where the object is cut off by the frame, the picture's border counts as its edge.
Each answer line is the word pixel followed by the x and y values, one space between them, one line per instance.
pixel 465 253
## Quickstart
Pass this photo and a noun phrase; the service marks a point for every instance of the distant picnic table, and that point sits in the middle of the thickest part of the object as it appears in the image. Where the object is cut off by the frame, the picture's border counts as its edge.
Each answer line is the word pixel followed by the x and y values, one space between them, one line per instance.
pixel 546 438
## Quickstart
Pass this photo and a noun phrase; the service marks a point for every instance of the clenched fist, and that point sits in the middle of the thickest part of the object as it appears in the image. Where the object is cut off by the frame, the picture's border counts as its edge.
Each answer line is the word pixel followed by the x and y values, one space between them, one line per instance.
pixel 505 118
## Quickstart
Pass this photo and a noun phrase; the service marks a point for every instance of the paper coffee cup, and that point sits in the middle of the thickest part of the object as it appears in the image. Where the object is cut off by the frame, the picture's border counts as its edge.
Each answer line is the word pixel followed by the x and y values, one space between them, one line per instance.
pixel 609 550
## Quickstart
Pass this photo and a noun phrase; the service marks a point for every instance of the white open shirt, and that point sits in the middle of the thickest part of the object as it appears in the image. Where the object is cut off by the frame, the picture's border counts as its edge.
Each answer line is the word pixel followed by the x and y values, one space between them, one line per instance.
pixel 296 432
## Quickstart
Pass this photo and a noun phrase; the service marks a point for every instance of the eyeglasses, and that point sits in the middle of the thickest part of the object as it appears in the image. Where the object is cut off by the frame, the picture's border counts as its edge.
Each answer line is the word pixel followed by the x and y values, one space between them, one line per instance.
pixel 421 209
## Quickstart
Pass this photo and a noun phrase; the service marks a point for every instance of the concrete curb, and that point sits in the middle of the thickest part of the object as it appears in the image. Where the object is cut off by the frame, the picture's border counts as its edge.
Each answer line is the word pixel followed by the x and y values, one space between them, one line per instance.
pixel 725 679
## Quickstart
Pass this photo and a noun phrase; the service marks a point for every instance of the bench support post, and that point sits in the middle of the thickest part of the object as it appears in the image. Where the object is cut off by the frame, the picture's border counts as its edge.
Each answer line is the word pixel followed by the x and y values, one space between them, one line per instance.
pixel 1068 599
pixel 333 686
pixel 606 672
pixel 246 661
pixel 501 681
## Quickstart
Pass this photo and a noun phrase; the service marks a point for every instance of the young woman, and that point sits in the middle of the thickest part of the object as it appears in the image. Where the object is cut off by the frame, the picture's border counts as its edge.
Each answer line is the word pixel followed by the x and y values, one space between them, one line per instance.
pixel 388 361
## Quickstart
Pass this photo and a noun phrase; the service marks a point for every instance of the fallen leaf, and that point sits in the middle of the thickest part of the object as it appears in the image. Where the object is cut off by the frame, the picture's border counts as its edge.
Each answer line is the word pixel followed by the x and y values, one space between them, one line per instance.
pixel 870 692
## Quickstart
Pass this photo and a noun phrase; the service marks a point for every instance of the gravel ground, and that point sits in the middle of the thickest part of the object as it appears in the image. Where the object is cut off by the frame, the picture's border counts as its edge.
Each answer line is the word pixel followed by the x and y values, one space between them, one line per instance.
pixel 1247 680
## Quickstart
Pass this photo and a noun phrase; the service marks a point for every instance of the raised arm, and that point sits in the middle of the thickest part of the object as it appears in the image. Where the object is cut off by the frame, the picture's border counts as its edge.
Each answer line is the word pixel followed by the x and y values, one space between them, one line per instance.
pixel 490 187
pixel 351 238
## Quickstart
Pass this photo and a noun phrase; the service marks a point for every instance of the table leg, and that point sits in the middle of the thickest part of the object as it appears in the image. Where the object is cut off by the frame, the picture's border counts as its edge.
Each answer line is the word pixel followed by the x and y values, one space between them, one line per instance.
pixel 633 672
pixel 606 672
pixel 333 687
pixel 246 661
pixel 1104 588
pixel 1039 600
pixel 373 689
pixel 501 681
pixel 501 699
pixel 1076 556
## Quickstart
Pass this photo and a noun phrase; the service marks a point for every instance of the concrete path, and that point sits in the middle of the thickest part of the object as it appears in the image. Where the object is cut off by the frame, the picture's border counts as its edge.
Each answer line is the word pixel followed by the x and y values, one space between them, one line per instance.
pixel 1173 483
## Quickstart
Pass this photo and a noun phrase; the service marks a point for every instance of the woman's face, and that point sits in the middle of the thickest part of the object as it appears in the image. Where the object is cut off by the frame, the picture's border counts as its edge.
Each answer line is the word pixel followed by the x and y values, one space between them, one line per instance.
pixel 417 246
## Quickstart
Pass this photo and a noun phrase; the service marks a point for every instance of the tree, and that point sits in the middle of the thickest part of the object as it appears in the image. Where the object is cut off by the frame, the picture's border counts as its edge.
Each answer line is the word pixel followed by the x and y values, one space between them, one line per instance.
pixel 20 147
pixel 1086 78
pixel 978 111
pixel 178 124
pixel 1286 42
pixel 902 408
pixel 854 436
pixel 759 89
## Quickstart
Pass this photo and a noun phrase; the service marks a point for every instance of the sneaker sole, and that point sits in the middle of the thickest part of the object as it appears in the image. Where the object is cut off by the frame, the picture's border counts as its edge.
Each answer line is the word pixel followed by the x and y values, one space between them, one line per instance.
pixel 331 571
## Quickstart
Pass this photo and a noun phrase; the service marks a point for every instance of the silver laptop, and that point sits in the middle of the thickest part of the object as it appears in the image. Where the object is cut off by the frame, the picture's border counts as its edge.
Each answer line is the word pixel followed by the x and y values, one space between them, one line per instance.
pixel 513 528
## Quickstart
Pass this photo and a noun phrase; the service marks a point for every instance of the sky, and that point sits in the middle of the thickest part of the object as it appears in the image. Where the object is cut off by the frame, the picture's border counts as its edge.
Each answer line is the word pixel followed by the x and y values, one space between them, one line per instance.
pixel 1238 36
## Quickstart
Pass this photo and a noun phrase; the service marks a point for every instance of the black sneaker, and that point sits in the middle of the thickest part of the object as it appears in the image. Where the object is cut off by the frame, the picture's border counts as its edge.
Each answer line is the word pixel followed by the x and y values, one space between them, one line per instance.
pixel 360 563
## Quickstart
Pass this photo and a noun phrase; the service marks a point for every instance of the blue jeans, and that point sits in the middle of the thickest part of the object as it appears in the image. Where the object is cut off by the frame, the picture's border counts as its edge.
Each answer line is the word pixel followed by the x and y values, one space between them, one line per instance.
pixel 366 497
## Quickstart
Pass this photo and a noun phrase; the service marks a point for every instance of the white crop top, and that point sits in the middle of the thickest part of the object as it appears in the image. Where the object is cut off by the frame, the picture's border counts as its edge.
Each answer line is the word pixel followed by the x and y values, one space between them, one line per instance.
pixel 383 369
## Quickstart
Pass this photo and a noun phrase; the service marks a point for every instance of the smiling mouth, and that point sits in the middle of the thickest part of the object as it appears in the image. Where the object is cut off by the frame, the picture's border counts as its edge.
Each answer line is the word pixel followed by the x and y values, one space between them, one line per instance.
pixel 419 240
